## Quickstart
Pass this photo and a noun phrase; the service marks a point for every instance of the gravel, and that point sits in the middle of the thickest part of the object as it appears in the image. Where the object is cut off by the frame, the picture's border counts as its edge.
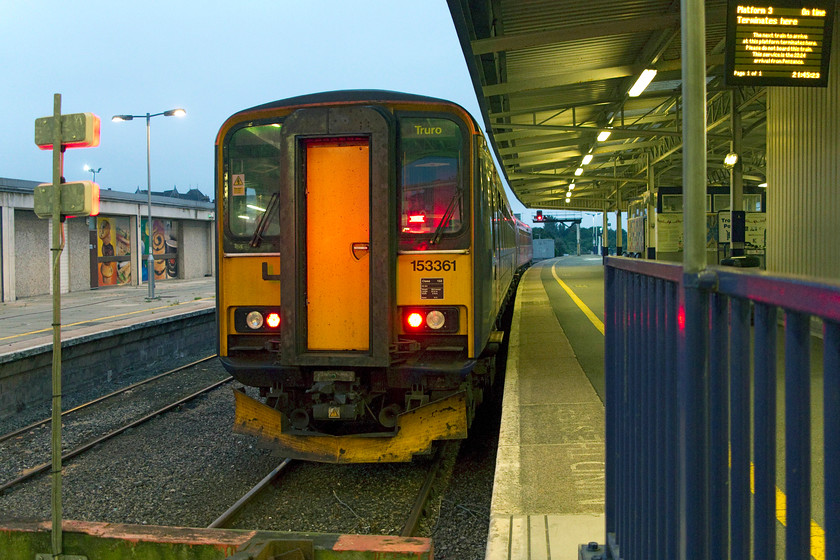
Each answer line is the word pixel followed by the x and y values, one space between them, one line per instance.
pixel 187 467
pixel 464 520
pixel 33 447
pixel 90 391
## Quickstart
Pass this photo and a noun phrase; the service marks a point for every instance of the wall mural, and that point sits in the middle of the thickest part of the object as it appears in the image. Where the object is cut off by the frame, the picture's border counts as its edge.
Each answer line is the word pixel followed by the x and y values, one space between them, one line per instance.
pixel 113 251
pixel 164 248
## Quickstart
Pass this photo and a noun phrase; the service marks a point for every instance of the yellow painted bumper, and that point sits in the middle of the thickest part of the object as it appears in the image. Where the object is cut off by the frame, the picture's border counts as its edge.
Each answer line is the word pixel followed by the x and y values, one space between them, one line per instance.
pixel 415 432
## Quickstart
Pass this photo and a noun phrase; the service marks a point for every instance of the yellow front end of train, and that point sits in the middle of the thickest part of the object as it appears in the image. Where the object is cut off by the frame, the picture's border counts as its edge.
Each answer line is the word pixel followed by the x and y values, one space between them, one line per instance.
pixel 360 272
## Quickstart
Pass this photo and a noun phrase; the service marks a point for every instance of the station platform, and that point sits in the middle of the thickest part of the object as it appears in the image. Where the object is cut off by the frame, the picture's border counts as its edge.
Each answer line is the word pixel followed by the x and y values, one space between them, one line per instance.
pixel 109 337
pixel 548 492
pixel 27 323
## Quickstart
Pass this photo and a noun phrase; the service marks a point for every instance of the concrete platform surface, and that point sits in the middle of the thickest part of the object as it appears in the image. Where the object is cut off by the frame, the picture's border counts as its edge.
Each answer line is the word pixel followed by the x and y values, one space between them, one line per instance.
pixel 27 323
pixel 548 492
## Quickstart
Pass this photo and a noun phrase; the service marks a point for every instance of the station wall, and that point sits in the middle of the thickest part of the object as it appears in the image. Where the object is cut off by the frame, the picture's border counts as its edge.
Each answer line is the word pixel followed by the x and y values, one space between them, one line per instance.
pixel 32 255
pixel 187 227
pixel 803 175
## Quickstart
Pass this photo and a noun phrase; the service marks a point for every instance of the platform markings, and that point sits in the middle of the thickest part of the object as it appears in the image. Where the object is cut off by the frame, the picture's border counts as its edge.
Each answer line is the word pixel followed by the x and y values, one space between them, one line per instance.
pixel 817 532
pixel 599 324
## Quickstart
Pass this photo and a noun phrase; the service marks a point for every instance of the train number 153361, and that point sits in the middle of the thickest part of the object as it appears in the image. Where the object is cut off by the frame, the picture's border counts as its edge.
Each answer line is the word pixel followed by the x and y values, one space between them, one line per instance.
pixel 430 265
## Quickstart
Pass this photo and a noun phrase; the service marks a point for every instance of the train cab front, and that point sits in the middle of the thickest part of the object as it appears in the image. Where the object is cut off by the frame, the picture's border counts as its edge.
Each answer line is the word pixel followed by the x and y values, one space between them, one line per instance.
pixel 343 226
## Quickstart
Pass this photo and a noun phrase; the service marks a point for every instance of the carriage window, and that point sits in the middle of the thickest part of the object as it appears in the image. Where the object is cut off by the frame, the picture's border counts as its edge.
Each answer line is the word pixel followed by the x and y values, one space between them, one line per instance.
pixel 433 198
pixel 253 182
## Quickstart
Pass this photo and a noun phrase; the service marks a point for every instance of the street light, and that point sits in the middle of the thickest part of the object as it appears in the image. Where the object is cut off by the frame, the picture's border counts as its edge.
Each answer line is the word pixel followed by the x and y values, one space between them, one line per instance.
pixel 150 259
pixel 92 170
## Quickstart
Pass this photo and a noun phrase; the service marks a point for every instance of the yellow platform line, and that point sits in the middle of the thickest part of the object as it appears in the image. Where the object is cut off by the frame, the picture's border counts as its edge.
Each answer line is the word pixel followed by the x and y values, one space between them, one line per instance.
pixel 99 319
pixel 817 532
pixel 599 324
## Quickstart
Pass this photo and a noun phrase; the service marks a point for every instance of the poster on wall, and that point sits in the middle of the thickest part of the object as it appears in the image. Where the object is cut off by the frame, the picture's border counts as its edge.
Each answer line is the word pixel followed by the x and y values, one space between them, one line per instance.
pixel 755 229
pixel 712 231
pixel 669 233
pixel 164 248
pixel 113 251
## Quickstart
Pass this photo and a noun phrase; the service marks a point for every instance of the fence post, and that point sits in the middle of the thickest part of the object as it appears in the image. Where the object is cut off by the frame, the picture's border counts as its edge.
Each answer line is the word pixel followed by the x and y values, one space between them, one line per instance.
pixel 764 455
pixel 798 435
pixel 611 404
pixel 831 441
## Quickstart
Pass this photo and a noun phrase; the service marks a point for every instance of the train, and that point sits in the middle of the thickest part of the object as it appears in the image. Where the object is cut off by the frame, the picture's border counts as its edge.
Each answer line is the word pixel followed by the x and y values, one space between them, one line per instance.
pixel 366 253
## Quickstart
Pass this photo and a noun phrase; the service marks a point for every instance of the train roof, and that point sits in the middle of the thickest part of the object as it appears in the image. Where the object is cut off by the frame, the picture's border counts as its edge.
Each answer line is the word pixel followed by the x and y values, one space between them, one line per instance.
pixel 351 96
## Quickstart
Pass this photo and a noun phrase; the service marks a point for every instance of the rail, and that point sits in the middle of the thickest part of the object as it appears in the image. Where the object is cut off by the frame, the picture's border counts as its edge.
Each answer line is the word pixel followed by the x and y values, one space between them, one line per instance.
pixel 682 389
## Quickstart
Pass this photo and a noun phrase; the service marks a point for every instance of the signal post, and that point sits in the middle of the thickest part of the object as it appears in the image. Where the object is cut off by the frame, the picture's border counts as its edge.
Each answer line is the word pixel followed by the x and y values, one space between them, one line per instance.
pixel 58 201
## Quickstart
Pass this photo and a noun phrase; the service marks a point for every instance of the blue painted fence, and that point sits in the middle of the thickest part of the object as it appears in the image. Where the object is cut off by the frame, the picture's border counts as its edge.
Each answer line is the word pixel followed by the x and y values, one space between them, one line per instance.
pixel 680 382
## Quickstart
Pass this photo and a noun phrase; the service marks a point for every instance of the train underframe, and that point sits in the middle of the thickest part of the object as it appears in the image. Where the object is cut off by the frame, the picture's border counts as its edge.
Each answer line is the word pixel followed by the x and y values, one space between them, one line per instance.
pixel 367 414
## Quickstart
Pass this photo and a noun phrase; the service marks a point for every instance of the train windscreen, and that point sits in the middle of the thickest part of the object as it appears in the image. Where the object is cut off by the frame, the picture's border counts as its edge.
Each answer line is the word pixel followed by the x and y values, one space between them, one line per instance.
pixel 433 200
pixel 252 167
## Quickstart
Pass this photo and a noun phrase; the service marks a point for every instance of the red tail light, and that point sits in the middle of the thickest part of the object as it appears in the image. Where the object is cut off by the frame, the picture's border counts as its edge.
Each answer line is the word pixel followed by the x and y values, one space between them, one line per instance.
pixel 414 320
pixel 273 320
pixel 428 319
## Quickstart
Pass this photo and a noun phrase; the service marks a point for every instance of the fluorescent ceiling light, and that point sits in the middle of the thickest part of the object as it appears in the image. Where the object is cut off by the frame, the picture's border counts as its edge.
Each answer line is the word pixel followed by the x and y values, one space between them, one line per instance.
pixel 579 171
pixel 255 207
pixel 603 135
pixel 586 159
pixel 644 80
pixel 763 185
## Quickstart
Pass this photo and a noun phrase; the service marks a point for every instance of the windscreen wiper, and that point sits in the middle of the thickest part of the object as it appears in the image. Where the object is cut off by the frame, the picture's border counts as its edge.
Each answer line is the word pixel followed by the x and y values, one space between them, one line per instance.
pixel 446 217
pixel 262 224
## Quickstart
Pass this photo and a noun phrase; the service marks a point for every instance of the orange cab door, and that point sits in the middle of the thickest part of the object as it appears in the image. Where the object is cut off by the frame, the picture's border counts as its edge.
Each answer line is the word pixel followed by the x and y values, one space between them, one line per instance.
pixel 337 245
pixel 337 216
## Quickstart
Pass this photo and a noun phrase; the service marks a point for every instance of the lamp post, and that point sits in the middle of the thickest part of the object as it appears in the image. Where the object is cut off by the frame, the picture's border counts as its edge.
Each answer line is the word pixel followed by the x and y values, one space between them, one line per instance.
pixel 92 170
pixel 150 259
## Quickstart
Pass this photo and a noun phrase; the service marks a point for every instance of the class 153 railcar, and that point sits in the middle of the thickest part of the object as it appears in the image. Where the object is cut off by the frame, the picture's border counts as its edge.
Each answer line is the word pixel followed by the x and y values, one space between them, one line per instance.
pixel 366 253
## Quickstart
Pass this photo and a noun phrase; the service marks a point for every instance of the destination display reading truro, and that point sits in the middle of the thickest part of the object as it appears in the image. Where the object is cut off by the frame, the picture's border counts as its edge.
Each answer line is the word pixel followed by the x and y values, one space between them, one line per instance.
pixel 778 45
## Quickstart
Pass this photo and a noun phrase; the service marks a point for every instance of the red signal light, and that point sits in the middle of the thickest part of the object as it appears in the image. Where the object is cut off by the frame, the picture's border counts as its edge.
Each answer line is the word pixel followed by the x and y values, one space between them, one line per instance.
pixel 273 320
pixel 414 320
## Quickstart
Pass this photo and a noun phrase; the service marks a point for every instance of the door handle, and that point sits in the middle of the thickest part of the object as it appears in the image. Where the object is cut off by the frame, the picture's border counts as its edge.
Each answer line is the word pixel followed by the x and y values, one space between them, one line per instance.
pixel 360 249
pixel 266 275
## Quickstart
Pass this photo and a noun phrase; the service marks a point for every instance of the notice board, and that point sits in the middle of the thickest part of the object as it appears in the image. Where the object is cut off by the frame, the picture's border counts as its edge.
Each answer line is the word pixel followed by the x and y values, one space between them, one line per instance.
pixel 779 43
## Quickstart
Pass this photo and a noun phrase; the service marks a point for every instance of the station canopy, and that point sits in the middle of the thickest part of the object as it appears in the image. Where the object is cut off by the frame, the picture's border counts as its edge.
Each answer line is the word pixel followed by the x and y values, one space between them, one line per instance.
pixel 551 75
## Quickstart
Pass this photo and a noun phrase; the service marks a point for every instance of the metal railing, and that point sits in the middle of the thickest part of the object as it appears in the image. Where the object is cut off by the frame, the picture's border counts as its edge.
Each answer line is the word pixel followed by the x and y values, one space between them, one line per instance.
pixel 682 389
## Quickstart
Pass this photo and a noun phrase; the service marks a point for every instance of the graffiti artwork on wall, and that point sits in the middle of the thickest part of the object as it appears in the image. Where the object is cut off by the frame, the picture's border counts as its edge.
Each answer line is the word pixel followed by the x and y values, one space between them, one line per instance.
pixel 164 248
pixel 113 251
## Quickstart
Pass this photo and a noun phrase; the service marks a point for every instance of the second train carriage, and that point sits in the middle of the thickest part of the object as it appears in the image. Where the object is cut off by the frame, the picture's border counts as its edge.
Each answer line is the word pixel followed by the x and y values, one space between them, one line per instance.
pixel 366 250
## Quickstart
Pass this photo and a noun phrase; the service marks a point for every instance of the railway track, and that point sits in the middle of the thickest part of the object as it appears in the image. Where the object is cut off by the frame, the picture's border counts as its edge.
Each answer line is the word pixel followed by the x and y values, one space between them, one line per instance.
pixel 411 526
pixel 223 520
pixel 32 471
pixel 45 421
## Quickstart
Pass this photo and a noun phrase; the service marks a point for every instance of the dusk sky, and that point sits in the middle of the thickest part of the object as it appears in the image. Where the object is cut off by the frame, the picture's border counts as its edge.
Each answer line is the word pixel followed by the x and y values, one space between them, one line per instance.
pixel 212 58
